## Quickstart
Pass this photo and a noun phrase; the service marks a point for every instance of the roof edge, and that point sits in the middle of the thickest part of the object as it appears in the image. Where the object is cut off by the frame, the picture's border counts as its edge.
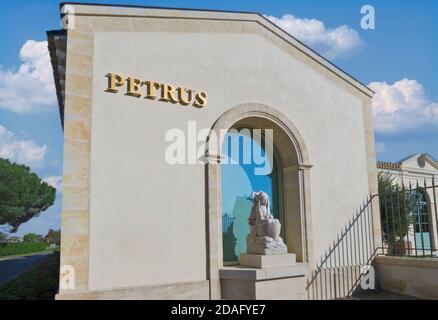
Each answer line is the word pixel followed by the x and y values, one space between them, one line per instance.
pixel 58 78
pixel 61 4
pixel 311 54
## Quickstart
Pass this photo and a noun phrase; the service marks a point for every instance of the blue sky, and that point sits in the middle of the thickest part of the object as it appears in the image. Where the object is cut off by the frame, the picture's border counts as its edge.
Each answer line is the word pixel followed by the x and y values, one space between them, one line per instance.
pixel 397 59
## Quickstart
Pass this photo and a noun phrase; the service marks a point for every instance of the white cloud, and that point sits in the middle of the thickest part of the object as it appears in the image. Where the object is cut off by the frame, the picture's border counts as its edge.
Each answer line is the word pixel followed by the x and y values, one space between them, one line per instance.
pixel 330 42
pixel 55 182
pixel 380 147
pixel 402 105
pixel 31 87
pixel 21 151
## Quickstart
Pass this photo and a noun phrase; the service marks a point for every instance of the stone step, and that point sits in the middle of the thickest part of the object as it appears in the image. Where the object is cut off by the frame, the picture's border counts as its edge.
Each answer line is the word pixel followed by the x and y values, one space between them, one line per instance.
pixel 249 273
pixel 267 261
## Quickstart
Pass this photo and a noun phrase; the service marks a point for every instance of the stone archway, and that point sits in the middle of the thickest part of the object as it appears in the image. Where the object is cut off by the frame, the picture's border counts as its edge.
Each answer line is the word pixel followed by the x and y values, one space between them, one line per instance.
pixel 295 164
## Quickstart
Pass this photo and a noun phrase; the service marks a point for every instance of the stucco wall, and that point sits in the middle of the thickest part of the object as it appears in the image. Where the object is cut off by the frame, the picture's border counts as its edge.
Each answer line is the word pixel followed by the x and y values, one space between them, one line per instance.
pixel 147 218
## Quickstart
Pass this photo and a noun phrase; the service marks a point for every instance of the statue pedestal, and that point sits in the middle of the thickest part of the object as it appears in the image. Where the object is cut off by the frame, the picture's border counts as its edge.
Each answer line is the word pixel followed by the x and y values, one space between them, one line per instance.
pixel 272 283
pixel 268 271
pixel 267 261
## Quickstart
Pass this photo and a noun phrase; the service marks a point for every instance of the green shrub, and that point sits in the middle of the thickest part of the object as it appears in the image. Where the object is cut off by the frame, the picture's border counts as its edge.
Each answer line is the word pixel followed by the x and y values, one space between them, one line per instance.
pixel 33 237
pixel 8 249
pixel 38 283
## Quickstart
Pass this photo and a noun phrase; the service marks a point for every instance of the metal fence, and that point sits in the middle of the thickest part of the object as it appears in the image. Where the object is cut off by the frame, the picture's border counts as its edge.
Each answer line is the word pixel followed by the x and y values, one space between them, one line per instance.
pixel 408 217
pixel 409 220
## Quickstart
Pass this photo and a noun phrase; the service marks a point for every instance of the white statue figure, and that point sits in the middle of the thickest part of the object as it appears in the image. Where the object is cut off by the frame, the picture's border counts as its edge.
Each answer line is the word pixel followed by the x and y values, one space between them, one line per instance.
pixel 264 236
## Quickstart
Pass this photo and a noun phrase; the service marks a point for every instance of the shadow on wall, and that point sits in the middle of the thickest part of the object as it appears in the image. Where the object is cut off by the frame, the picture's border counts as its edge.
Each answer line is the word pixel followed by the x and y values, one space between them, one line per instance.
pixel 235 229
pixel 340 270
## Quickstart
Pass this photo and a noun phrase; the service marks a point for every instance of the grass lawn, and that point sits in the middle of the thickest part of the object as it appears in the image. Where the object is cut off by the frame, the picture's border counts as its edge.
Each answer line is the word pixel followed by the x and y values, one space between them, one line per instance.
pixel 38 283
pixel 9 249
pixel 51 250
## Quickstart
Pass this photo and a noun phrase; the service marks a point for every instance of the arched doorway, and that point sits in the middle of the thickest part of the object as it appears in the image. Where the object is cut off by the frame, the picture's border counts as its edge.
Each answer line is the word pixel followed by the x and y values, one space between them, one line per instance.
pixel 420 221
pixel 294 166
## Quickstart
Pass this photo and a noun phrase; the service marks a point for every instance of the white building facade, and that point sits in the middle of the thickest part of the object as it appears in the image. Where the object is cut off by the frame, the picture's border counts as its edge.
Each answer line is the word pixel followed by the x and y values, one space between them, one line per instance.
pixel 135 225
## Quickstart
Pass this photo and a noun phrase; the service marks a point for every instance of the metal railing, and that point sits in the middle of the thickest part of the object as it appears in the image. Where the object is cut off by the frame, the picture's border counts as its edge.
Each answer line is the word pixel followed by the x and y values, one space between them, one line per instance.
pixel 340 269
pixel 409 219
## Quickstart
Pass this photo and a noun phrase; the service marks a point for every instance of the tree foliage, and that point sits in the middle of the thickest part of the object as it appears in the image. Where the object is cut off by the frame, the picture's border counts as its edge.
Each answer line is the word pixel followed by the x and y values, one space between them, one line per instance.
pixel 395 209
pixel 33 237
pixel 53 236
pixel 22 194
pixel 3 237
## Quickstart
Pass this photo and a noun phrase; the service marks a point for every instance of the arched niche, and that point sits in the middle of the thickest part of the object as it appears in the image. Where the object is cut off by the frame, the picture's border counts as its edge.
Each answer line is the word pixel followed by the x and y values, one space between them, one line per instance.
pixel 295 168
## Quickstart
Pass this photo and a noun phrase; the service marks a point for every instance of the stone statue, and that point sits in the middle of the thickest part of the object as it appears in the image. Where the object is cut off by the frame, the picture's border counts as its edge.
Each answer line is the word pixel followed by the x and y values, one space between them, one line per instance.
pixel 264 236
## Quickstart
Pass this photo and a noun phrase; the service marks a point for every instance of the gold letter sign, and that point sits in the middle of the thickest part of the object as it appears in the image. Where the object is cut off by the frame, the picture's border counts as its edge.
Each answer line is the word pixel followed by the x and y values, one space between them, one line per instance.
pixel 149 89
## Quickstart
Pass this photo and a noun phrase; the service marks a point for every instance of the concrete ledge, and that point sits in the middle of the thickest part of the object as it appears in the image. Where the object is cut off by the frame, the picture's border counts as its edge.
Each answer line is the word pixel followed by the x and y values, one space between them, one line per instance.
pixel 198 290
pixel 267 261
pixel 408 261
pixel 417 277
pixel 243 283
